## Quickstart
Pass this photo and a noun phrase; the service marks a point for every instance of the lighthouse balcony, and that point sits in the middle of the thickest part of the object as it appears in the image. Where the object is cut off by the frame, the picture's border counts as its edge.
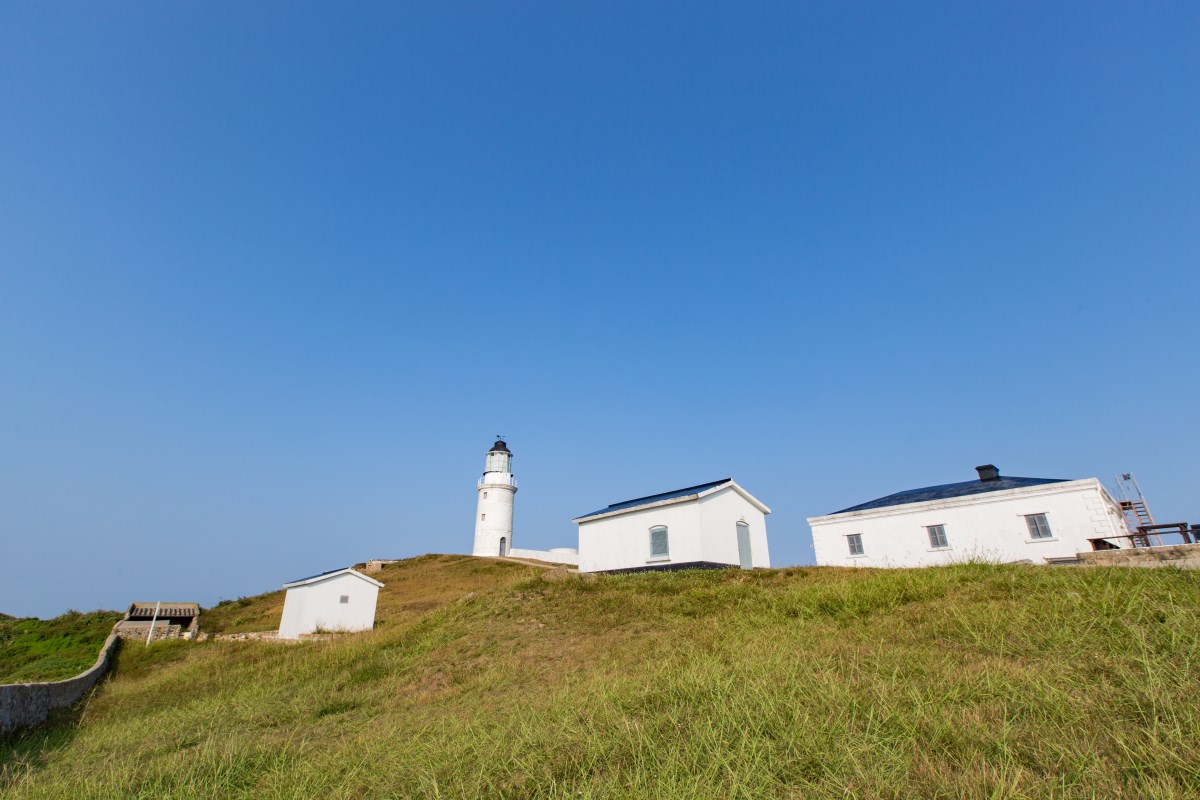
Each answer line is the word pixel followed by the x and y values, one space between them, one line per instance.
pixel 498 479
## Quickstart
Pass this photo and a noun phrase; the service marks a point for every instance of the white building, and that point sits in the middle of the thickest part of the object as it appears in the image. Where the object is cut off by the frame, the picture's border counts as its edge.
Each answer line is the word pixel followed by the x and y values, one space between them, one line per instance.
pixel 993 518
pixel 714 524
pixel 340 600
pixel 494 509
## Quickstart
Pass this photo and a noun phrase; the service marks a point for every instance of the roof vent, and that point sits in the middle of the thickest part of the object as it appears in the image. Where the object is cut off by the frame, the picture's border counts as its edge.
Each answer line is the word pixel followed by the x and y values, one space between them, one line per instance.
pixel 988 472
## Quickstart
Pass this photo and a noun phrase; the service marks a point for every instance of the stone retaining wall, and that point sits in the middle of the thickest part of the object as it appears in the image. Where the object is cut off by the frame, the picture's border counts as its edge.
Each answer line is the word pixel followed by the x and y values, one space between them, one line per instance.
pixel 1186 556
pixel 26 704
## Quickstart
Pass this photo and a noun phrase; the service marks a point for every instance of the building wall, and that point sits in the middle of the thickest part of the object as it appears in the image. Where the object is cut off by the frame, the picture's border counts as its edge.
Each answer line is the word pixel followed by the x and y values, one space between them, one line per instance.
pixel 988 526
pixel 703 530
pixel 317 605
pixel 494 514
pixel 719 514
pixel 623 541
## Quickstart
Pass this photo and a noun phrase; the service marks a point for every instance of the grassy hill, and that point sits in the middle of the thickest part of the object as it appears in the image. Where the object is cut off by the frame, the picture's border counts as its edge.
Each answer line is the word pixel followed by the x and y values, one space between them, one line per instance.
pixel 964 681
pixel 51 649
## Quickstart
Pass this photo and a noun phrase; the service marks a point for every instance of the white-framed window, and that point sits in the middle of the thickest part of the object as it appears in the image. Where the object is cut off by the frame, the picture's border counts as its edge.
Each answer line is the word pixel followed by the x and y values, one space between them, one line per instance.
pixel 854 542
pixel 660 545
pixel 344 599
pixel 937 536
pixel 1039 527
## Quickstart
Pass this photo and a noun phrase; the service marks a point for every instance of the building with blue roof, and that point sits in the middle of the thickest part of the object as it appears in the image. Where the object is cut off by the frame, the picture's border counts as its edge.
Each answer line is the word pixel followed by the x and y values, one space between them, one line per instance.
pixel 708 525
pixel 993 518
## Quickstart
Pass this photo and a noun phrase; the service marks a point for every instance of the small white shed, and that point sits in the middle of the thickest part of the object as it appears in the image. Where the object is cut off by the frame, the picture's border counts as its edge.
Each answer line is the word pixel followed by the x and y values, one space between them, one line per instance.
pixel 717 524
pixel 338 600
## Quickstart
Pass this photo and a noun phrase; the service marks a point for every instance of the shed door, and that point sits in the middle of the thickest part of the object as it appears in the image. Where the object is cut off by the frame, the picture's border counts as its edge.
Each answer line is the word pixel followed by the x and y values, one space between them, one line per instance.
pixel 743 534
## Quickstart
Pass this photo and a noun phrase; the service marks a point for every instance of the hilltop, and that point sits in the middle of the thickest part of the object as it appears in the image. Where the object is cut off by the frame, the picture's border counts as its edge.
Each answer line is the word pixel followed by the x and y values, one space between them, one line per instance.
pixel 484 679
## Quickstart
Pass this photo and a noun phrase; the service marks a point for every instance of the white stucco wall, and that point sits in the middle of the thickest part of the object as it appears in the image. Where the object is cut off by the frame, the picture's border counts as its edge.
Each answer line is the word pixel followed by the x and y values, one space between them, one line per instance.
pixel 318 605
pixel 989 526
pixel 557 555
pixel 719 514
pixel 494 513
pixel 623 541
pixel 701 529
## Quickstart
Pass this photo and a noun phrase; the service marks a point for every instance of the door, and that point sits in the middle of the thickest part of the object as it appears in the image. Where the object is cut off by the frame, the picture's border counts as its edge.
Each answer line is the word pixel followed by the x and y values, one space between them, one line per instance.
pixel 503 546
pixel 743 534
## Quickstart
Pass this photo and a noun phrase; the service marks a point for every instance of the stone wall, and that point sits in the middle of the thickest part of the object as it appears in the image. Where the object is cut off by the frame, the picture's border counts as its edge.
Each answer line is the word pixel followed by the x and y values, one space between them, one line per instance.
pixel 26 704
pixel 1185 556
pixel 138 630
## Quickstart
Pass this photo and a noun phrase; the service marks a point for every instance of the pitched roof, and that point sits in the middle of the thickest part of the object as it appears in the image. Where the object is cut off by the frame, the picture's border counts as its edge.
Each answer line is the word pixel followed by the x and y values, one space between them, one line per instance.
pixel 656 498
pixel 323 575
pixel 148 610
pixel 950 490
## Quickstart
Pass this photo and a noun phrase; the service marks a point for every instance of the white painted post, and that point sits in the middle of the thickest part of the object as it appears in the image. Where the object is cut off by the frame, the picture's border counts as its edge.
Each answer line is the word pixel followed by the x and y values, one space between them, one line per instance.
pixel 151 633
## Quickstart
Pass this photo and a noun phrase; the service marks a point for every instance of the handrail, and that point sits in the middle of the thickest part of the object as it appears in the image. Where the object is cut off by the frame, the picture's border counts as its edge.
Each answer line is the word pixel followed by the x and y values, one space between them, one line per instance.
pixel 1141 539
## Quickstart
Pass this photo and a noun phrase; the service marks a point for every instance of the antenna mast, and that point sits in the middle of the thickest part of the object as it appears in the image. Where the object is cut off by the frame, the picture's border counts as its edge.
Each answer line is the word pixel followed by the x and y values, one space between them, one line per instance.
pixel 1134 508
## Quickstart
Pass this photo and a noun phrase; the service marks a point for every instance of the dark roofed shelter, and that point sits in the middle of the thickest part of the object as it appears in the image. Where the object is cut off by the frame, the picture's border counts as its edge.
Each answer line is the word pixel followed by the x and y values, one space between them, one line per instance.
pixel 170 620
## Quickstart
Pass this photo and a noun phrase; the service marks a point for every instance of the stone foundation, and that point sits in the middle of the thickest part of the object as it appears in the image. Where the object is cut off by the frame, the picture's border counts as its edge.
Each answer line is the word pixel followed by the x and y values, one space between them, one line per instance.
pixel 1185 556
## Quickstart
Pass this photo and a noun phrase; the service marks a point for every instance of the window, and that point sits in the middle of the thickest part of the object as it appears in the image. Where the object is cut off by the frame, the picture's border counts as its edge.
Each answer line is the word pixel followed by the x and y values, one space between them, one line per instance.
pixel 344 598
pixel 1039 528
pixel 854 541
pixel 483 516
pixel 937 536
pixel 660 548
pixel 485 495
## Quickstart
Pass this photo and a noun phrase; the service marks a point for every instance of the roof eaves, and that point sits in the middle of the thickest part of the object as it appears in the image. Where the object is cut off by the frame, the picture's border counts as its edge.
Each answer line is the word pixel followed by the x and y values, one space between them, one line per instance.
pixel 331 574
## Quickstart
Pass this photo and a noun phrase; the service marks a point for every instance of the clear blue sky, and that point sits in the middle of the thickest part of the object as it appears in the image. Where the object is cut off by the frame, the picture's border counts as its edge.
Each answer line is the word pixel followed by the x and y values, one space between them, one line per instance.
pixel 272 276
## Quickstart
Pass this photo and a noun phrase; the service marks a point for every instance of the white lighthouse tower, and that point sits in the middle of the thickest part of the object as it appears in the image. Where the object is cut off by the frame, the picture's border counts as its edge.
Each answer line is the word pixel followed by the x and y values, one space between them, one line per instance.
pixel 494 516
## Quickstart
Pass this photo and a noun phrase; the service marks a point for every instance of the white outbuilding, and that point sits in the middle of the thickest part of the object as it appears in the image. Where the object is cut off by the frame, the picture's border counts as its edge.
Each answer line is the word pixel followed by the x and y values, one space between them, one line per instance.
pixel 993 518
pixel 717 524
pixel 338 600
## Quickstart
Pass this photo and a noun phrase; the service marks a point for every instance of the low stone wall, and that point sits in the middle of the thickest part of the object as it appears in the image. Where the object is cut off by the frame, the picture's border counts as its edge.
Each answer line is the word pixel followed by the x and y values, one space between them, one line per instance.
pixel 1185 556
pixel 139 630
pixel 557 556
pixel 26 704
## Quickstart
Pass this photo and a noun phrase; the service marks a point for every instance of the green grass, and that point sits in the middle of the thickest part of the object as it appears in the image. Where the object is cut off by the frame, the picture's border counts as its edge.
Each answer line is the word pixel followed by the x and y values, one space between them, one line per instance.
pixel 963 681
pixel 52 649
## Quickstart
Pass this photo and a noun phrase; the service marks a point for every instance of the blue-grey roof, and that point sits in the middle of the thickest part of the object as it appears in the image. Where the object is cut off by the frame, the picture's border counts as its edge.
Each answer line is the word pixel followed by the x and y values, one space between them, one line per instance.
pixel 948 490
pixel 318 575
pixel 656 498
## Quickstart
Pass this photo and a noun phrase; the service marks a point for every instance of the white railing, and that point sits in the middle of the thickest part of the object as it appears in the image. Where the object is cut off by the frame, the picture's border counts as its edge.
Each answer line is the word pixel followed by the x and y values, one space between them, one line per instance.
pixel 512 481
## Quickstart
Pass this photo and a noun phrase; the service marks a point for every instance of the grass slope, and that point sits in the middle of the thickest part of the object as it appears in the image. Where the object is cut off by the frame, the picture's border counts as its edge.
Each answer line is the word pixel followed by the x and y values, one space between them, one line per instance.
pixel 411 589
pixel 51 649
pixel 962 681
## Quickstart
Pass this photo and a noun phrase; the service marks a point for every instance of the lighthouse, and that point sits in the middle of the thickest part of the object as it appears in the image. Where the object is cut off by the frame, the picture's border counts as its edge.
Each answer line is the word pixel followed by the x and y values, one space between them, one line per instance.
pixel 494 514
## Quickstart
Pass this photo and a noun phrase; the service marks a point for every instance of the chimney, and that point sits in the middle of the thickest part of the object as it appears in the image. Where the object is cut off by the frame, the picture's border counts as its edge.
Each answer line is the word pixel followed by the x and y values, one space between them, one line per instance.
pixel 988 472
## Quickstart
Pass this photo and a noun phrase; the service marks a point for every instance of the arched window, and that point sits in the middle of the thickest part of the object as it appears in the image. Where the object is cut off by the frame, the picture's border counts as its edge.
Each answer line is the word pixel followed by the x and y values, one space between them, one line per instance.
pixel 483 516
pixel 660 546
pixel 503 546
pixel 485 495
